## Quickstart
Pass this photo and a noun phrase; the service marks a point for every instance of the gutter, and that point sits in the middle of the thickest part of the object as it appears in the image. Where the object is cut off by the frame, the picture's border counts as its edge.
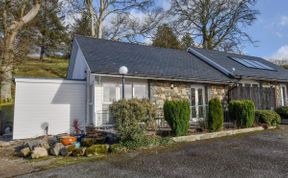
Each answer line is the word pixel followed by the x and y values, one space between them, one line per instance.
pixel 165 79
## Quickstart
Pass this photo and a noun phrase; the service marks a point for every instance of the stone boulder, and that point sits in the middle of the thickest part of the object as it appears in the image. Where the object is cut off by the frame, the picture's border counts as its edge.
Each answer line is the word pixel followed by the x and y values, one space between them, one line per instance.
pixel 67 150
pixel 36 143
pixel 25 152
pixel 79 152
pixel 55 150
pixel 98 149
pixel 39 152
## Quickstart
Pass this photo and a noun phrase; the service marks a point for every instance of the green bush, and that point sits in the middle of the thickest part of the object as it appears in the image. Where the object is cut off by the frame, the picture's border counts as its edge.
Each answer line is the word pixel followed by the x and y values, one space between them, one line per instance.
pixel 268 117
pixel 242 112
pixel 215 115
pixel 177 115
pixel 132 117
pixel 282 111
pixel 147 141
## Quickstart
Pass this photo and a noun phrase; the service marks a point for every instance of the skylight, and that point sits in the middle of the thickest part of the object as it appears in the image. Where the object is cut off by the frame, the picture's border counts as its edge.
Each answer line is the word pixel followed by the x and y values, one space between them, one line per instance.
pixel 252 63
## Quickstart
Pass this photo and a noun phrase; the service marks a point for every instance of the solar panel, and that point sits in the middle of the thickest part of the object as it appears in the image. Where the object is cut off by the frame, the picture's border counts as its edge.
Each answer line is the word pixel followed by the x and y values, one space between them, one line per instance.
pixel 252 63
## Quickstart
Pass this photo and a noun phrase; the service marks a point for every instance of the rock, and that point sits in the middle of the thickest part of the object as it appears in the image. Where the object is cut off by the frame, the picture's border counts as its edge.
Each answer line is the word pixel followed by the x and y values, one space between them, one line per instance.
pixel 36 143
pixel 97 150
pixel 24 152
pixel 55 150
pixel 67 151
pixel 117 148
pixel 39 152
pixel 79 151
pixel 52 141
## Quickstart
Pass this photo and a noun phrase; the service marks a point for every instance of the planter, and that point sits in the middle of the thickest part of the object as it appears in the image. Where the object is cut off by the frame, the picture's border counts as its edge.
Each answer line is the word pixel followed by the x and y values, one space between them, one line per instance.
pixel 68 140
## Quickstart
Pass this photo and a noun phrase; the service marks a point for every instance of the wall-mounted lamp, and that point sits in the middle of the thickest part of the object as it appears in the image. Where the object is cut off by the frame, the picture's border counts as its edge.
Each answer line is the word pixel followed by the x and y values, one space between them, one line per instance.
pixel 172 86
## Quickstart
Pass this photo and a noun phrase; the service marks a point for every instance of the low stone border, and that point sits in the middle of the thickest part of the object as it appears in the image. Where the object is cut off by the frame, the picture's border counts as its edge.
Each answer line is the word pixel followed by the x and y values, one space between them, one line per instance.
pixel 191 138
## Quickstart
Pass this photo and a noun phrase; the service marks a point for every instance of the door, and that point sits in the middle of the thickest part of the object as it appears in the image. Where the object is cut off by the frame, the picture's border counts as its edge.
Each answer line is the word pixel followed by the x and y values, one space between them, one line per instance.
pixel 198 107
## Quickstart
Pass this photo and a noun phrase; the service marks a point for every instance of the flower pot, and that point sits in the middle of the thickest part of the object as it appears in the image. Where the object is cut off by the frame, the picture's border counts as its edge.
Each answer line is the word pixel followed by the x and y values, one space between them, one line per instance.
pixel 68 140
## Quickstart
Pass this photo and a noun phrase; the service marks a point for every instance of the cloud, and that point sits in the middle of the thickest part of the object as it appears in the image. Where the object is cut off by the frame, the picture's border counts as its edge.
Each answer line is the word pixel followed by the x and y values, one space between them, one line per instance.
pixel 284 21
pixel 281 53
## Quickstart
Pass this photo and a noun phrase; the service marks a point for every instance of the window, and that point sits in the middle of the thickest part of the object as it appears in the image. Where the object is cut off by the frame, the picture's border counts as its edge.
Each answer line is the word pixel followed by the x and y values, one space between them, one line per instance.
pixel 140 91
pixel 109 93
pixel 252 63
pixel 283 95
pixel 128 91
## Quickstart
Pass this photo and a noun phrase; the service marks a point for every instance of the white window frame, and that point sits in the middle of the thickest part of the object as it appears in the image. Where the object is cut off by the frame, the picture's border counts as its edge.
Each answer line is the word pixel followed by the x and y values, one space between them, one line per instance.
pixel 283 94
pixel 196 87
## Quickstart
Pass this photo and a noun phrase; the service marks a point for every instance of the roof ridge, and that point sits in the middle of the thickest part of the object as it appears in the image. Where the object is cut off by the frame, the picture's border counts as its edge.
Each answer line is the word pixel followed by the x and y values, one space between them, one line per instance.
pixel 131 43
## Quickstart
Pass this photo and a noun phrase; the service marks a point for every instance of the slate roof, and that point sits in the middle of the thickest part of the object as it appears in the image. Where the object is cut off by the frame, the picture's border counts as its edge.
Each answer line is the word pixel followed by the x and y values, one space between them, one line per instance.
pixel 223 59
pixel 105 57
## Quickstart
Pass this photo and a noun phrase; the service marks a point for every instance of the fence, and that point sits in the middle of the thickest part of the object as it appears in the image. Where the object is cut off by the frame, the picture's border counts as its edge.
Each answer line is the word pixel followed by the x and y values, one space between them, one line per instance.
pixel 264 98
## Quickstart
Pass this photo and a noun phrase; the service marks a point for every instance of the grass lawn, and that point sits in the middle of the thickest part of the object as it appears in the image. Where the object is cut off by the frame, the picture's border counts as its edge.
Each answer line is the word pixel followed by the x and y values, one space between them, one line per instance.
pixel 48 68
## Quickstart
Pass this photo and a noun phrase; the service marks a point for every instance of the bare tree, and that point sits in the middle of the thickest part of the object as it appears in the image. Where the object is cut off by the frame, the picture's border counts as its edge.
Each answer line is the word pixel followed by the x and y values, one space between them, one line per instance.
pixel 214 23
pixel 113 19
pixel 14 16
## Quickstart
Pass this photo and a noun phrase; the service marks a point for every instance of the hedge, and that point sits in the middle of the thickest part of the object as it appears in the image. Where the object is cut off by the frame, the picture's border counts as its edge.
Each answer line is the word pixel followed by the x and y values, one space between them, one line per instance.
pixel 268 117
pixel 215 115
pixel 242 112
pixel 283 112
pixel 177 115
pixel 129 116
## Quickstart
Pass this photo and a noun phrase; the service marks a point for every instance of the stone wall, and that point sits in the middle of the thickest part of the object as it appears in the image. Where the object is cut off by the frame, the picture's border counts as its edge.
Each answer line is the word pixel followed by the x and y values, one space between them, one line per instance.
pixel 217 91
pixel 162 90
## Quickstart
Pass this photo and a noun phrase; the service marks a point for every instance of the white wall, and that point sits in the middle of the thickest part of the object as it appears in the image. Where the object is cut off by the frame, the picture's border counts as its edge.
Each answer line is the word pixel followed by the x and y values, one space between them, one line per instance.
pixel 80 66
pixel 54 101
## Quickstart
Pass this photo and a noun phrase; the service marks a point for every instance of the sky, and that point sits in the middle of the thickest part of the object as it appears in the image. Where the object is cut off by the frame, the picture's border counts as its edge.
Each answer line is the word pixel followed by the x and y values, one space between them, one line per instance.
pixel 270 30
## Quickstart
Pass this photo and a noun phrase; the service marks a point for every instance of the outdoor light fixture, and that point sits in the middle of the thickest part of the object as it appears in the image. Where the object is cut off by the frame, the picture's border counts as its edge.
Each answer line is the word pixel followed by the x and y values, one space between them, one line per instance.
pixel 123 70
pixel 172 86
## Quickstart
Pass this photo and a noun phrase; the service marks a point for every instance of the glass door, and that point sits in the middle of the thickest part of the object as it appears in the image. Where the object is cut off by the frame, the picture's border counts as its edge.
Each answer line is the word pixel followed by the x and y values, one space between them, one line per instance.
pixel 197 103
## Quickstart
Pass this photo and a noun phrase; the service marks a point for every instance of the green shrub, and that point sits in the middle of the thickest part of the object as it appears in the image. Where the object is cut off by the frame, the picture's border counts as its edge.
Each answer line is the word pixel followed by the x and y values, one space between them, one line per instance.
pixel 177 115
pixel 242 112
pixel 147 141
pixel 132 117
pixel 215 115
pixel 268 117
pixel 282 111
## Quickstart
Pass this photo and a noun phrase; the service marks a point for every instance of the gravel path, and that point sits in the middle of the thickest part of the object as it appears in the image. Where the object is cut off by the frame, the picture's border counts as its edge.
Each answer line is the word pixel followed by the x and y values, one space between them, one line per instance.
pixel 262 154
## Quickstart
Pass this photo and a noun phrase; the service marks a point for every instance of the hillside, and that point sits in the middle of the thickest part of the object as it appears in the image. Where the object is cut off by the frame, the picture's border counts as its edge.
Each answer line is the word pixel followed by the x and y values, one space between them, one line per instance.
pixel 32 67
pixel 49 68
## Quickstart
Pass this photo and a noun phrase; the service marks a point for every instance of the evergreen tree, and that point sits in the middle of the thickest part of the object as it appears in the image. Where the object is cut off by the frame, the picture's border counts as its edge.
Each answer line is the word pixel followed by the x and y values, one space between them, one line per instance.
pixel 186 41
pixel 166 38
pixel 82 25
pixel 52 37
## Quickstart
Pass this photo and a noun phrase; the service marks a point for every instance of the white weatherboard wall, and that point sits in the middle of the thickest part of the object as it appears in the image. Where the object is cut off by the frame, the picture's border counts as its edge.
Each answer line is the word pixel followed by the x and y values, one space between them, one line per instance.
pixel 54 101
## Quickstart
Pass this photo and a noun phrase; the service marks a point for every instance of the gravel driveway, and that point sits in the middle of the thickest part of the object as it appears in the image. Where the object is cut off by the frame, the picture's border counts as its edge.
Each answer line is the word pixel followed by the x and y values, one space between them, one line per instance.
pixel 262 154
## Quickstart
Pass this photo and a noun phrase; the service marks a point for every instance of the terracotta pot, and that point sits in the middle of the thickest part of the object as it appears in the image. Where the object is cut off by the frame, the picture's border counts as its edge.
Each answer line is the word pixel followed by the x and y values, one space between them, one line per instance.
pixel 68 140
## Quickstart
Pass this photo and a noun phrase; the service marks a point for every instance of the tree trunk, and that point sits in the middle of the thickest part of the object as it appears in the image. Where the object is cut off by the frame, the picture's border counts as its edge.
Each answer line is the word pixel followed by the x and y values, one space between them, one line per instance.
pixel 6 84
pixel 42 52
pixel 100 29
pixel 6 71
